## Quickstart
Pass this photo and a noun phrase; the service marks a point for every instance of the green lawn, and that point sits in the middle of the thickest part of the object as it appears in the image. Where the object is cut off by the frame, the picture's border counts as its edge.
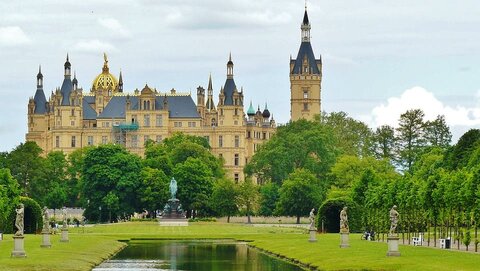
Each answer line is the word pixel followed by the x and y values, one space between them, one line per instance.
pixel 86 249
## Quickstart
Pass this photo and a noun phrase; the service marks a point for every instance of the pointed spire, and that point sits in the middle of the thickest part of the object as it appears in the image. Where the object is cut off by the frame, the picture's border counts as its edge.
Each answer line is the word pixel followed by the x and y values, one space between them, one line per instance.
pixel 120 82
pixel 250 110
pixel 305 27
pixel 230 67
pixel 68 67
pixel 210 83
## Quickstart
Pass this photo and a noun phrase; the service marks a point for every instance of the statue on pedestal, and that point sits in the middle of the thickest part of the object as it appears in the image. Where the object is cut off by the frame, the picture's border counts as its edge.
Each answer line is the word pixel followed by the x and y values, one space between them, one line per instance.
pixel 394 216
pixel 19 219
pixel 344 221
pixel 64 218
pixel 173 188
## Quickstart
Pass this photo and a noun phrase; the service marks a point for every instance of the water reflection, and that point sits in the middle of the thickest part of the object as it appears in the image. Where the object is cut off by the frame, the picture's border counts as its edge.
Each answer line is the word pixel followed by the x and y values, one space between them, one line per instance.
pixel 193 255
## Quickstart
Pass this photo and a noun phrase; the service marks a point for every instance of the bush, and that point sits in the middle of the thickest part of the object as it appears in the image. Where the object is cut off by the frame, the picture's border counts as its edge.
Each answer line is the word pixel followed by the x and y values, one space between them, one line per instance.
pixel 33 220
pixel 203 219
pixel 329 212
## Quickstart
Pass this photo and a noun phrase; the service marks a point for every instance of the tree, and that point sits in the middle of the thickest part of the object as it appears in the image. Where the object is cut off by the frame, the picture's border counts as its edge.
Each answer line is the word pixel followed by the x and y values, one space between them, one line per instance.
pixel 268 199
pixel 353 137
pixel 299 144
pixel 9 196
pixel 384 143
pixel 301 192
pixel 74 177
pixel 111 169
pixel 410 137
pixel 112 202
pixel 195 185
pixel 223 198
pixel 460 154
pixel 437 133
pixel 25 164
pixel 154 190
pixel 51 179
pixel 56 196
pixel 247 198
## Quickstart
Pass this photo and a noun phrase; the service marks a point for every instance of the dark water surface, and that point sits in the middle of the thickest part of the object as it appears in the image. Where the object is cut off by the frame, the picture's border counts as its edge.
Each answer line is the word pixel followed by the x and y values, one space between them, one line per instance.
pixel 193 255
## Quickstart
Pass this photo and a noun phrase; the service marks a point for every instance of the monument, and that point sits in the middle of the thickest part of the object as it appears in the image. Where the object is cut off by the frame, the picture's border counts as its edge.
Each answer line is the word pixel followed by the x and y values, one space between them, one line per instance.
pixel 312 229
pixel 46 229
pixel 64 237
pixel 18 237
pixel 393 238
pixel 344 229
pixel 173 214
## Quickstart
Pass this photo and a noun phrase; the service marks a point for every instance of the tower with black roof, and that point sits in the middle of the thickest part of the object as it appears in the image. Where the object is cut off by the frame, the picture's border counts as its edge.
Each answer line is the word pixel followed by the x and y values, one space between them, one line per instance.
pixel 305 78
pixel 230 104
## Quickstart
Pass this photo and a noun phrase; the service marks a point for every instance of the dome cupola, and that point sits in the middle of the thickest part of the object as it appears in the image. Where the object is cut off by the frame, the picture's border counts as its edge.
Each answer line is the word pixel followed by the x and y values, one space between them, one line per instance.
pixel 105 80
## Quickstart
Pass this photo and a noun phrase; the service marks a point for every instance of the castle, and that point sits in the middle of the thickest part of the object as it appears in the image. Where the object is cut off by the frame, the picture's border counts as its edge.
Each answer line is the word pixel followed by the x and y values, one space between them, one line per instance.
pixel 72 118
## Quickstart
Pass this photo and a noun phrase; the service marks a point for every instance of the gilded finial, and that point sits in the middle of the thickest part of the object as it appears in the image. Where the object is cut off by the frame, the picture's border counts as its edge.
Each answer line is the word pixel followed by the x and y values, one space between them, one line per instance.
pixel 105 57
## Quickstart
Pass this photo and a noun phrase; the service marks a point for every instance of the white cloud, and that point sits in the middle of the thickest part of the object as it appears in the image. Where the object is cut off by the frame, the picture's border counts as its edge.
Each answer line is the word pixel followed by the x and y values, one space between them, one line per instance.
pixel 93 46
pixel 114 26
pixel 418 97
pixel 12 36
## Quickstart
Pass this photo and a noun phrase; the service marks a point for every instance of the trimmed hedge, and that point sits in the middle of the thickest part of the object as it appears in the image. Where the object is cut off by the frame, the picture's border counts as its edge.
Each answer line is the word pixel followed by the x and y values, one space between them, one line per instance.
pixel 33 219
pixel 329 213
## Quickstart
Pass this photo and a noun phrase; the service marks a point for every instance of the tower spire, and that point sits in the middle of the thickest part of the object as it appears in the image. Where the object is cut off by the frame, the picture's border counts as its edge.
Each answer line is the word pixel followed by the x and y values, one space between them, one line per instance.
pixel 230 67
pixel 305 27
pixel 40 78
pixel 68 67
pixel 120 82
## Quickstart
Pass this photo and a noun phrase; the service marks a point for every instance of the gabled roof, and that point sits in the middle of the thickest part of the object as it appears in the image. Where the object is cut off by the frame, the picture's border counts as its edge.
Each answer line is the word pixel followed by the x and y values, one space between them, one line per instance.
pixel 306 51
pixel 88 112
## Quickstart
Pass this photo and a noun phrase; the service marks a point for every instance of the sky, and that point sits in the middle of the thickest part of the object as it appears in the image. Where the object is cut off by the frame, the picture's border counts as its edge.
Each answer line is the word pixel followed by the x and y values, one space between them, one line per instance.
pixel 380 57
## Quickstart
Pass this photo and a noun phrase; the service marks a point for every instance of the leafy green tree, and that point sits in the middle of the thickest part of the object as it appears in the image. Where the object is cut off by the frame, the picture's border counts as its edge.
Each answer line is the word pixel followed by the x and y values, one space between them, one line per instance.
pixel 353 137
pixel 269 194
pixel 112 202
pixel 195 185
pixel 56 197
pixel 460 155
pixel 51 179
pixel 299 144
pixel 384 143
pixel 154 190
pixel 3 159
pixel 223 198
pixel 74 183
pixel 25 164
pixel 9 196
pixel 410 137
pixel 111 169
pixel 301 192
pixel 247 198
pixel 437 132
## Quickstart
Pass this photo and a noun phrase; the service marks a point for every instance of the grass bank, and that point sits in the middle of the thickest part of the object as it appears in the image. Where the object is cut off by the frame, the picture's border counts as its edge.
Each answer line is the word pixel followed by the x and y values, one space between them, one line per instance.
pixel 92 245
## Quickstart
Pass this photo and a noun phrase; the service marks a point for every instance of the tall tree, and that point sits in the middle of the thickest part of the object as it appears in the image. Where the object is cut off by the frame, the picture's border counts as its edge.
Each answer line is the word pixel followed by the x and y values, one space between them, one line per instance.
pixel 410 137
pixel 247 198
pixel 25 164
pixel 269 194
pixel 301 192
pixel 51 179
pixel 154 191
pixel 460 154
pixel 384 143
pixel 353 137
pixel 9 196
pixel 437 132
pixel 223 198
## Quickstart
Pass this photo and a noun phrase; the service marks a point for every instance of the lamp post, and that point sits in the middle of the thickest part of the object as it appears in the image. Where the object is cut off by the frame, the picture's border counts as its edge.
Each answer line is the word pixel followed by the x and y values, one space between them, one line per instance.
pixel 100 219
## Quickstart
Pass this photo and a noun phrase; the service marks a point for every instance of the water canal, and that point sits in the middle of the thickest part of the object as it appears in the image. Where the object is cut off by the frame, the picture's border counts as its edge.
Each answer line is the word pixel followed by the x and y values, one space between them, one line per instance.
pixel 193 255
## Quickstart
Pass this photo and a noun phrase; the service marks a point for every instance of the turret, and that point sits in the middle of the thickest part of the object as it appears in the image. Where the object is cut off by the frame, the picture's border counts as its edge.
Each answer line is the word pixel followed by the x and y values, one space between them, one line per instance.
pixel 75 81
pixel 39 101
pixel 120 83
pixel 68 68
pixel 210 105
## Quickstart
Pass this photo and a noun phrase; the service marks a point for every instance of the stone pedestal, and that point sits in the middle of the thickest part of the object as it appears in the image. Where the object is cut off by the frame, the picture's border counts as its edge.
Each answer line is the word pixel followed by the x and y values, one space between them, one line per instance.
pixel 313 235
pixel 18 249
pixel 64 235
pixel 393 246
pixel 46 239
pixel 344 239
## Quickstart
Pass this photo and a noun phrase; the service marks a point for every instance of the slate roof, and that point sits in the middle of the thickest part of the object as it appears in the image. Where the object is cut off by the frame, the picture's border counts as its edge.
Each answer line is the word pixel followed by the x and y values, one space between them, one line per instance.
pixel 306 51
pixel 305 18
pixel 66 90
pixel 228 91
pixel 40 102
pixel 178 106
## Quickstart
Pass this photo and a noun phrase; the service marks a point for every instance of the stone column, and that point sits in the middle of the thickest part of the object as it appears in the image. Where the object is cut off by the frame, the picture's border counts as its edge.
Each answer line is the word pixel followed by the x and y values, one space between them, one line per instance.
pixel 392 241
pixel 46 239
pixel 344 239
pixel 18 249
pixel 64 235
pixel 313 235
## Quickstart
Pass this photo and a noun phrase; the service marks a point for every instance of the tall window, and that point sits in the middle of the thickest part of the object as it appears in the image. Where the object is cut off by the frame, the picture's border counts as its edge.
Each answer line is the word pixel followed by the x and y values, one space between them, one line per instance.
pixel 73 112
pixel 159 121
pixel 57 141
pixel 134 141
pixel 90 140
pixel 74 141
pixel 305 94
pixel 236 160
pixel 305 106
pixel 146 120
pixel 104 139
pixel 220 141
pixel 134 118
pixel 236 177
pixel 237 141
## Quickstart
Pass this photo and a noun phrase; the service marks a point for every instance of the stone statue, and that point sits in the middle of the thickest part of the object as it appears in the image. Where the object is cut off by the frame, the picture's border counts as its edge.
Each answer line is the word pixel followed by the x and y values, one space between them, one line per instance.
pixel 311 218
pixel 64 218
pixel 344 221
pixel 394 216
pixel 19 219
pixel 46 224
pixel 173 188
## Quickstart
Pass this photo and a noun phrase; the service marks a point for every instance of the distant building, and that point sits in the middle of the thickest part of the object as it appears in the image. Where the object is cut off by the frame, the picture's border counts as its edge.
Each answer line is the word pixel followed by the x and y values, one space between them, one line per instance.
pixel 72 119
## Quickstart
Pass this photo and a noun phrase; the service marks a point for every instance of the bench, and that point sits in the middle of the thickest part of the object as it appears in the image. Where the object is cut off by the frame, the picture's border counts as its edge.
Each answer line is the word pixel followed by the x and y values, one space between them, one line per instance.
pixel 418 241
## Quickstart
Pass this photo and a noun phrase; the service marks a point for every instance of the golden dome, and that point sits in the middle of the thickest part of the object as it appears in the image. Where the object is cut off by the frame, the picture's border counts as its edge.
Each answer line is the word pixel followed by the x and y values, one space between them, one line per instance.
pixel 105 80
